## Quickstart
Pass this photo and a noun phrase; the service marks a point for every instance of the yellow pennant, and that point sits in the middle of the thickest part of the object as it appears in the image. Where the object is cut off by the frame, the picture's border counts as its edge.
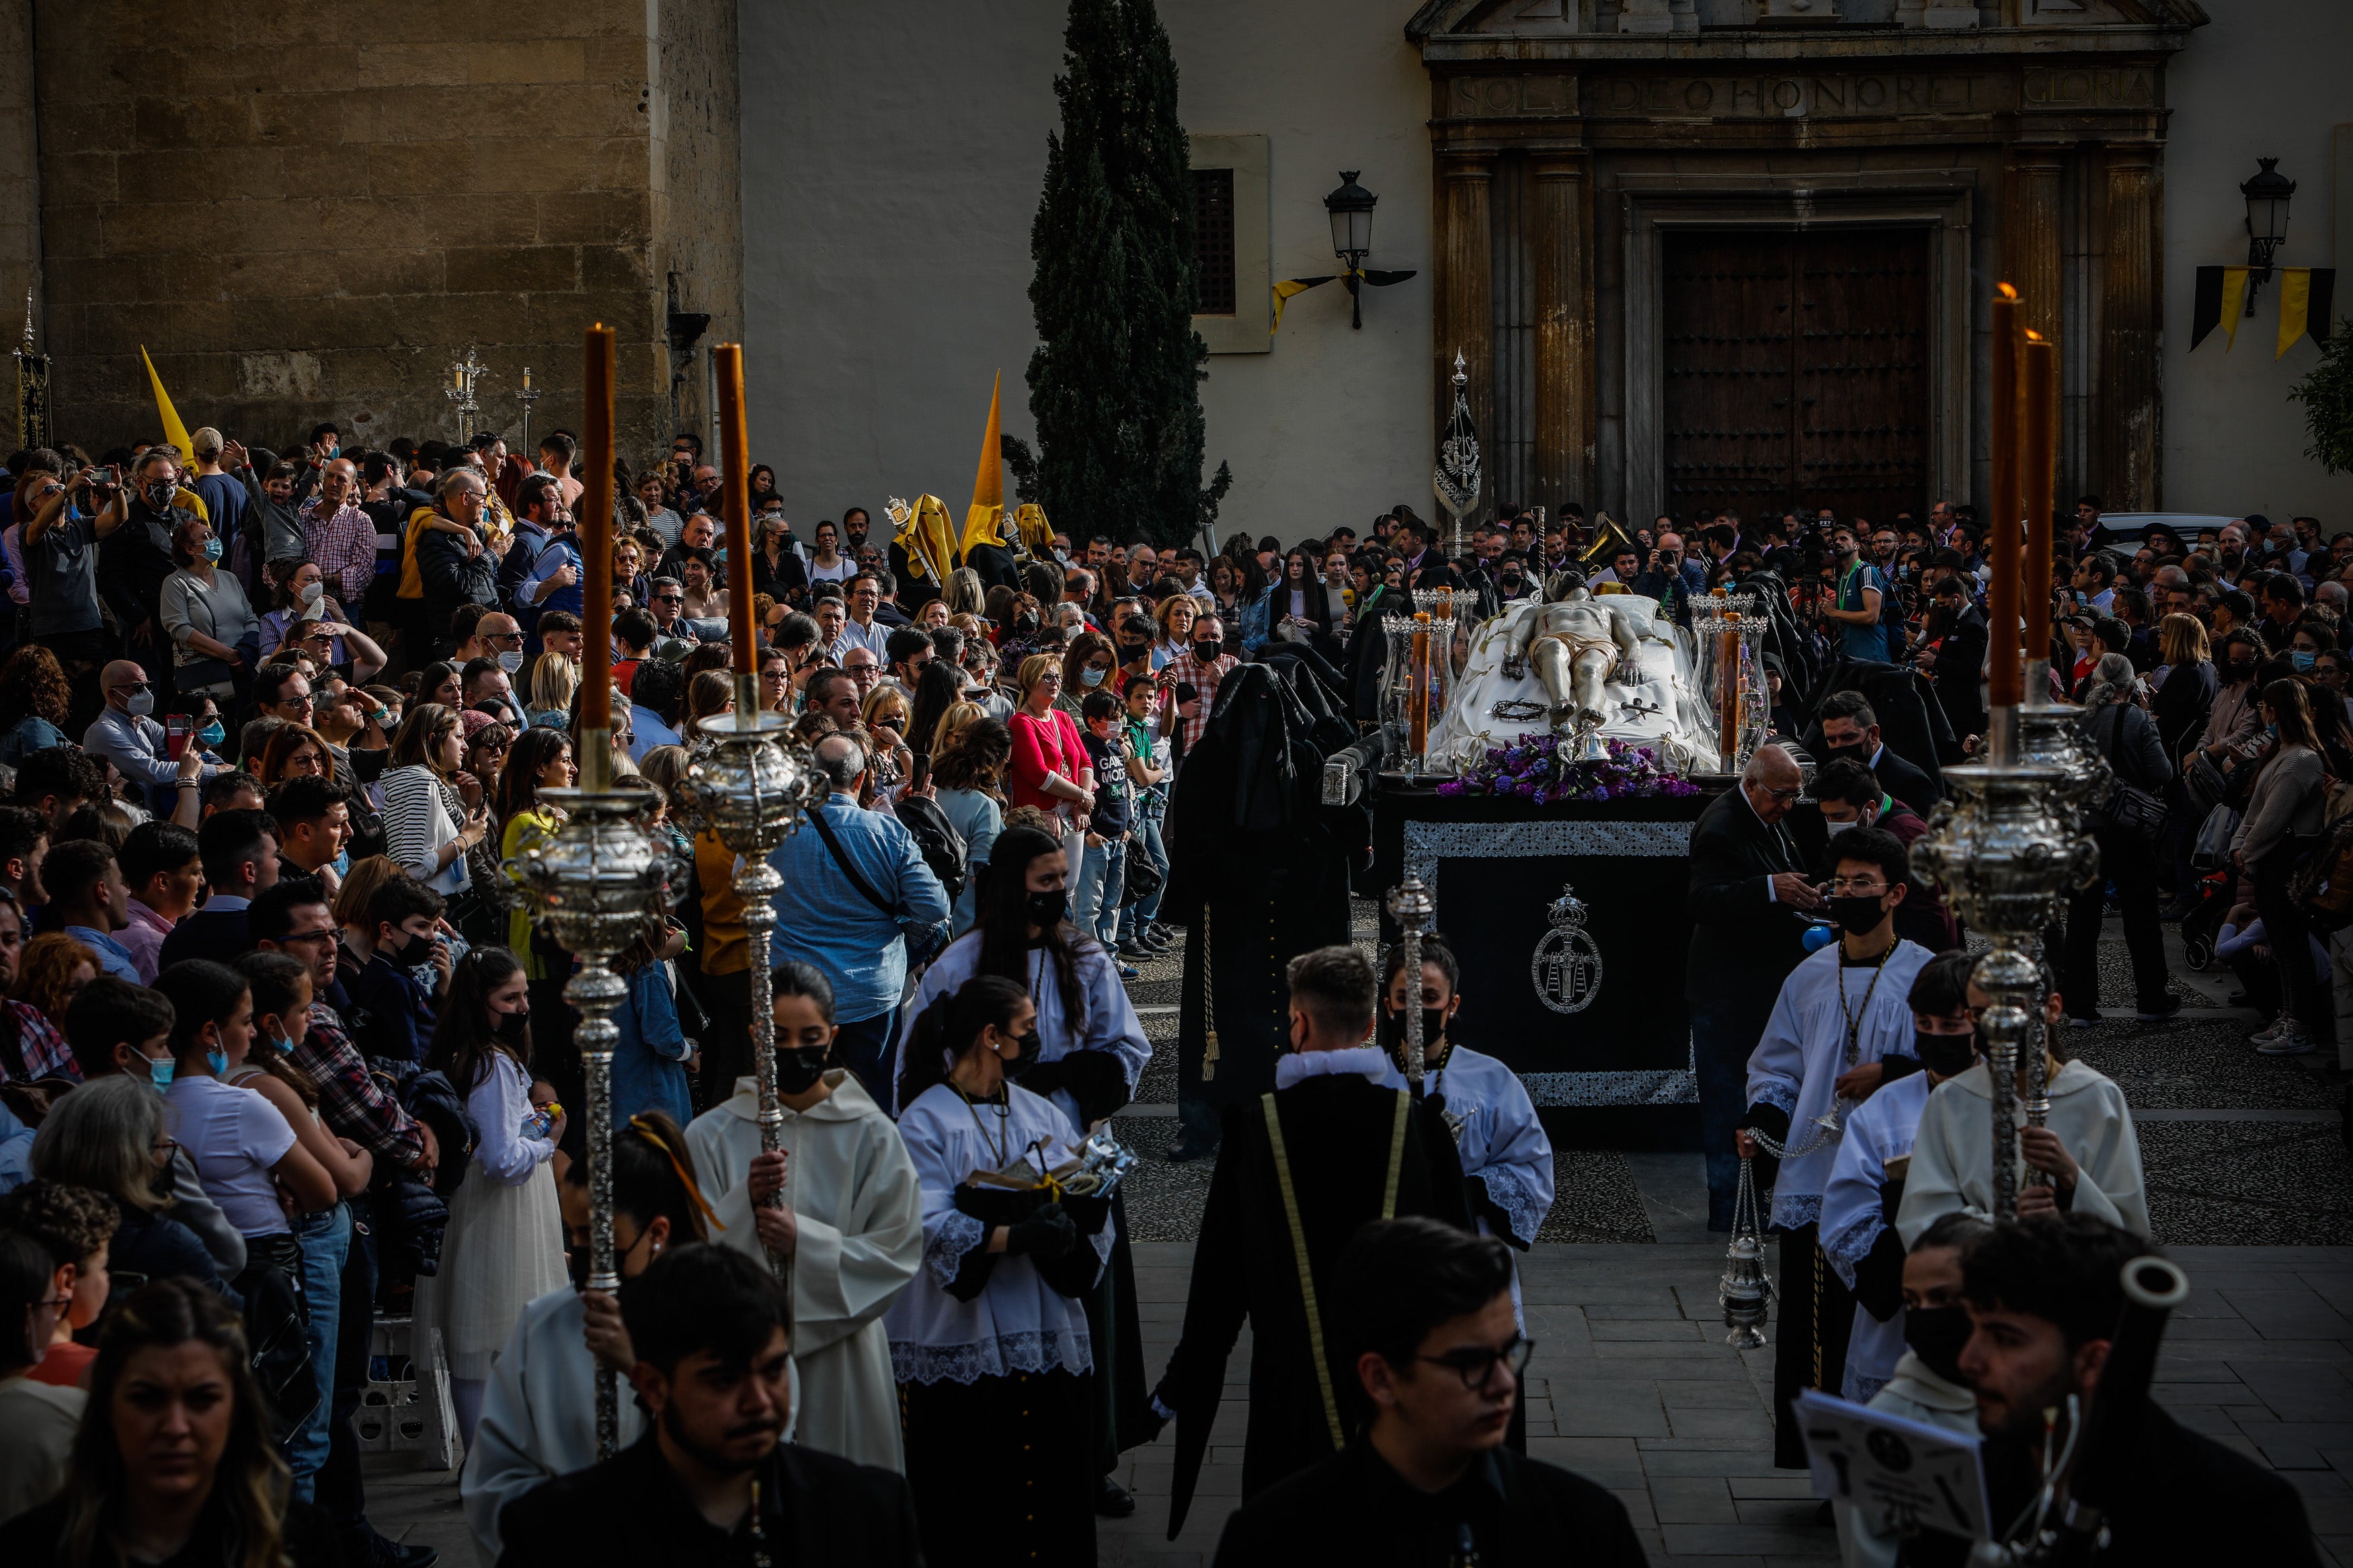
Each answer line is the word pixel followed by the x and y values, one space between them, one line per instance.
pixel 1284 290
pixel 2234 297
pixel 2296 305
pixel 173 431
pixel 984 520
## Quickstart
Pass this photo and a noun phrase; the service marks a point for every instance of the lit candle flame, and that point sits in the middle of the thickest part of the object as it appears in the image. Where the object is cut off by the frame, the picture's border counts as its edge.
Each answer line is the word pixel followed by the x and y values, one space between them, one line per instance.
pixel 2007 291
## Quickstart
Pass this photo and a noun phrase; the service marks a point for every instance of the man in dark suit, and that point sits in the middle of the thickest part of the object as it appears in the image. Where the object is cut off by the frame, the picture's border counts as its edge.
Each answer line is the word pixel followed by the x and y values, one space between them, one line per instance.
pixel 239 851
pixel 1748 895
pixel 710 1482
pixel 1849 728
pixel 1955 666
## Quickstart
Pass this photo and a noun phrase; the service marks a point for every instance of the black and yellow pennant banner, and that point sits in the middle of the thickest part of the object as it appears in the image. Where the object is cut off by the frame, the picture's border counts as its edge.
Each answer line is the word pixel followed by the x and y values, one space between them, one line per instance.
pixel 1290 286
pixel 2307 296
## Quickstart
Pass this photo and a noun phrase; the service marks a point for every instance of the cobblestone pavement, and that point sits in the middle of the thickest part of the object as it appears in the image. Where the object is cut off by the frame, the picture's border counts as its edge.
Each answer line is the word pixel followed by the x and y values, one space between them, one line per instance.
pixel 2251 1189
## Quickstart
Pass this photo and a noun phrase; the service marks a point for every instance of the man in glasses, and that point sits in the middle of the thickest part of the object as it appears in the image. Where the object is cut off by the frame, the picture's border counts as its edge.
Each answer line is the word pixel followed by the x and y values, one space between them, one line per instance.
pixel 1422 1321
pixel 1749 902
pixel 126 734
pixel 666 600
pixel 1841 1026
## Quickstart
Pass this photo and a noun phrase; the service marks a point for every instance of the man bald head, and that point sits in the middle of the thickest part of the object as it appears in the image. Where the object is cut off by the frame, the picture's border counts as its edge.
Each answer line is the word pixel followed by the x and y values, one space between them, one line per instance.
pixel 121 682
pixel 339 481
pixel 1772 783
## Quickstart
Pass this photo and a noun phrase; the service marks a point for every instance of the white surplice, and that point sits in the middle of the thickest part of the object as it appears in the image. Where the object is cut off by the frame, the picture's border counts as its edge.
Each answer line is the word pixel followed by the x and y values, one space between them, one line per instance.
pixel 1798 1061
pixel 1952 1161
pixel 1882 1128
pixel 1018 1323
pixel 1108 1022
pixel 860 1215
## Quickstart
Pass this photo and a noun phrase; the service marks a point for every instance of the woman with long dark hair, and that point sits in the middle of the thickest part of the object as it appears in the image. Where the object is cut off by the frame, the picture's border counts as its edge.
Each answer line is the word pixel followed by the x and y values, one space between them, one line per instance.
pixel 539 1415
pixel 33 699
pixel 993 1355
pixel 176 1460
pixel 501 1252
pixel 1090 1056
pixel 2283 820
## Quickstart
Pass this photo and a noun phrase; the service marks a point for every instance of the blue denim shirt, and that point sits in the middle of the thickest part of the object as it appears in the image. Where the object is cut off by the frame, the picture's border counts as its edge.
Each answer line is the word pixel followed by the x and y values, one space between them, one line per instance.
pixel 822 919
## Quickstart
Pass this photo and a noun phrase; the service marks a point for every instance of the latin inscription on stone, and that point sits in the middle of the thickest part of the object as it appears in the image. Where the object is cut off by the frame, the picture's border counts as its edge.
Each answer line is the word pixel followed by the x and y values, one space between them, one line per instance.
pixel 1790 97
pixel 2054 89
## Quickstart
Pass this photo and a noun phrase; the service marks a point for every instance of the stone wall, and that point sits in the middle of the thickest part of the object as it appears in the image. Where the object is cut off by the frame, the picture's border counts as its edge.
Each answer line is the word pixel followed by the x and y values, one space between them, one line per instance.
pixel 20 191
pixel 307 209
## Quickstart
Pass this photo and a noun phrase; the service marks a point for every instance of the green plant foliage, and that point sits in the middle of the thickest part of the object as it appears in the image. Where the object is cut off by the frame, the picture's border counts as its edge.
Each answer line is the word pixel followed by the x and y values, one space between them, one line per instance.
pixel 1115 385
pixel 2327 393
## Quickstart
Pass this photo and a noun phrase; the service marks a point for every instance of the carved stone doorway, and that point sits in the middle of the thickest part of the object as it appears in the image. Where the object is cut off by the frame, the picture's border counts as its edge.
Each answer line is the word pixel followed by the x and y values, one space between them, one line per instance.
pixel 1795 367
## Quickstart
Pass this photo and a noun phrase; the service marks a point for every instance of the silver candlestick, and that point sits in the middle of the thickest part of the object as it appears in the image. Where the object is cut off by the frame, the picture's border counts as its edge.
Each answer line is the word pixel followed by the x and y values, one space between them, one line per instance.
pixel 601 882
pixel 1410 905
pixel 527 397
pixel 752 789
pixel 2007 857
pixel 464 373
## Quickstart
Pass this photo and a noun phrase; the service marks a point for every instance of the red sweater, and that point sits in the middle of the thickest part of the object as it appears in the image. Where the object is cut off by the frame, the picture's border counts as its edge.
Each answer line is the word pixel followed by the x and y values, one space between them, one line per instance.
pixel 1050 745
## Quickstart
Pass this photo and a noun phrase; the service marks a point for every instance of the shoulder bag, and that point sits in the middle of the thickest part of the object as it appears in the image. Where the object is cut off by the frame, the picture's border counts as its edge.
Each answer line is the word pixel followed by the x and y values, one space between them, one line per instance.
pixel 922 945
pixel 2131 812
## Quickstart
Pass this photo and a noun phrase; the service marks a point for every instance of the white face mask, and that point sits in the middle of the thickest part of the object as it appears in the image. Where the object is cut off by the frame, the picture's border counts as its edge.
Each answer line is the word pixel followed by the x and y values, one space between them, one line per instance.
pixel 1837 826
pixel 140 704
pixel 510 661
pixel 313 591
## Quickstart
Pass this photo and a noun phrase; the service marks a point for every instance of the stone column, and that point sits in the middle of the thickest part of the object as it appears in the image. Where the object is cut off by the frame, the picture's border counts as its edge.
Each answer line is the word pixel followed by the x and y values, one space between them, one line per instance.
pixel 1564 278
pixel 1465 317
pixel 2129 414
pixel 2030 233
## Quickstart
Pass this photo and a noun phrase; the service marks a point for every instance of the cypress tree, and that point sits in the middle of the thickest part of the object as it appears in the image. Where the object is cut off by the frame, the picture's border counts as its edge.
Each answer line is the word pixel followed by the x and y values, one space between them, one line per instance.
pixel 1114 385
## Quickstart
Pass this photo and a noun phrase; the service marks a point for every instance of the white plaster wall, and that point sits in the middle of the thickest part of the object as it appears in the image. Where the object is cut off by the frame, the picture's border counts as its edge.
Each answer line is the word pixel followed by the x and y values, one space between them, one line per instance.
pixel 893 158
pixel 2266 79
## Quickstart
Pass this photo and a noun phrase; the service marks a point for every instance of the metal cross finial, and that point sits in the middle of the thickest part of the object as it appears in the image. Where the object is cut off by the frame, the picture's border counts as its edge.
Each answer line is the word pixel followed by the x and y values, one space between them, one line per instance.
pixel 527 397
pixel 465 372
pixel 1461 370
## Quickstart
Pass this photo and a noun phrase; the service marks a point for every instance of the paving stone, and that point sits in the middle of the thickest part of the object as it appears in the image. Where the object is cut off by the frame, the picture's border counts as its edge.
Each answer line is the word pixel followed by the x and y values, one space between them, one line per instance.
pixel 1675 1331
pixel 1803 1542
pixel 2296 1314
pixel 2253 1182
pixel 1695 1499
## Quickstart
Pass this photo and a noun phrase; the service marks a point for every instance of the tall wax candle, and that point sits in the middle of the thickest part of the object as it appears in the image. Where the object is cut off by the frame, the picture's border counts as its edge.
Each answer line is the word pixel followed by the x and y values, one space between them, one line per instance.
pixel 2005 680
pixel 2037 465
pixel 595 524
pixel 736 485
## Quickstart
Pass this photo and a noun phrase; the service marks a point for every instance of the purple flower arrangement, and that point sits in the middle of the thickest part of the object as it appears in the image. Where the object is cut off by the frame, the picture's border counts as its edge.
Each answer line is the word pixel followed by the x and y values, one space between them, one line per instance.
pixel 1535 769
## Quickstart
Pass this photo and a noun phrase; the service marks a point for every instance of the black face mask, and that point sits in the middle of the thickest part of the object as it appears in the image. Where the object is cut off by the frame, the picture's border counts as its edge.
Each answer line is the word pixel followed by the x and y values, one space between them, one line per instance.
pixel 1946 1056
pixel 1046 909
pixel 1205 651
pixel 397 952
pixel 1025 624
pixel 1849 749
pixel 159 494
pixel 512 1027
pixel 1936 1335
pixel 1858 914
pixel 799 1067
pixel 1014 1067
pixel 1433 1025
pixel 2238 670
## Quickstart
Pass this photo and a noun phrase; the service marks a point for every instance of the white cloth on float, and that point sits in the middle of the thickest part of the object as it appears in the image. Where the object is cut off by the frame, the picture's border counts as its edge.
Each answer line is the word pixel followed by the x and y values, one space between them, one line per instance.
pixel 1952 1160
pixel 1657 705
pixel 1882 1128
pixel 860 1215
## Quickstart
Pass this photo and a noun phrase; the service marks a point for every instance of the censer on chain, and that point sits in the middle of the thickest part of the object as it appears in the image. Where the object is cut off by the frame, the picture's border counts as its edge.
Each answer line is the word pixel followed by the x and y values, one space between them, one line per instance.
pixel 1746 1290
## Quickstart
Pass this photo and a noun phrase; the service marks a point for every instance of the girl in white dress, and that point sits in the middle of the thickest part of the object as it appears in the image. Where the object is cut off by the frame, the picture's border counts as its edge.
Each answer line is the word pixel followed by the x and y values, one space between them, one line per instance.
pixel 504 1247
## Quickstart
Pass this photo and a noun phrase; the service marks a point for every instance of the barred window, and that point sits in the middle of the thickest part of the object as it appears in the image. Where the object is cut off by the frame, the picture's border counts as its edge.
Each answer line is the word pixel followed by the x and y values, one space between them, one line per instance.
pixel 1213 240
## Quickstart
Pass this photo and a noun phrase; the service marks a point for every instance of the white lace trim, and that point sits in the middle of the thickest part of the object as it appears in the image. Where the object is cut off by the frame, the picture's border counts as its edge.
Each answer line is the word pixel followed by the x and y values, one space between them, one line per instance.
pixel 957 1234
pixel 1510 1191
pixel 1780 1096
pixel 1850 1247
pixel 1361 1061
pixel 1037 1349
pixel 1797 1210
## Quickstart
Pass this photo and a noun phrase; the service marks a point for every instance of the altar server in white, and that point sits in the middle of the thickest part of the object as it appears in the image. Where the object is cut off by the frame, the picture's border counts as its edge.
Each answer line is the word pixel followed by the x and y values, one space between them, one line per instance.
pixel 852 1228
pixel 1858 1237
pixel 2085 1149
pixel 539 1413
pixel 1842 1023
pixel 990 1342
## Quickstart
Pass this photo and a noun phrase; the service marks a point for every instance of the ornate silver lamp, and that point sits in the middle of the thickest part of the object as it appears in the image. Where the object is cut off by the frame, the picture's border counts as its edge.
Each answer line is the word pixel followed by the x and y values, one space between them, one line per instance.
pixel 2006 847
pixel 1457 478
pixel 600 882
pixel 752 789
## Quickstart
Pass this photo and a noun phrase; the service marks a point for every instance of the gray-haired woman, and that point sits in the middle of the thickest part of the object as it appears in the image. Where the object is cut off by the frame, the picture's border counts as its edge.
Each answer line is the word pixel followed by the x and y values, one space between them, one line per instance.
pixel 2120 730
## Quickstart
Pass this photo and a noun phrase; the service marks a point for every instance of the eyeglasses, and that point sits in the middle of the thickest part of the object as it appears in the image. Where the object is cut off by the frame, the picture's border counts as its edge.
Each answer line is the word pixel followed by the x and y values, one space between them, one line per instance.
pixel 1476 1364
pixel 1784 795
pixel 669 598
pixel 325 933
pixel 1866 886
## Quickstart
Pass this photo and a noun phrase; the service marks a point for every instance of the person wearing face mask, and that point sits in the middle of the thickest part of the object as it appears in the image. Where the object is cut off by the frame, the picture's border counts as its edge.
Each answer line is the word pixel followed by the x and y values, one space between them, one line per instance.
pixel 1505 1156
pixel 395 936
pixel 2083 1160
pixel 1925 1383
pixel 1300 1171
pixel 851 1226
pixel 1848 795
pixel 215 634
pixel 1202 665
pixel 1849 728
pixel 501 1251
pixel 989 1342
pixel 1841 1027
pixel 126 734
pixel 139 553
pixel 1859 1205
pixel 539 1413
pixel 1089 1061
